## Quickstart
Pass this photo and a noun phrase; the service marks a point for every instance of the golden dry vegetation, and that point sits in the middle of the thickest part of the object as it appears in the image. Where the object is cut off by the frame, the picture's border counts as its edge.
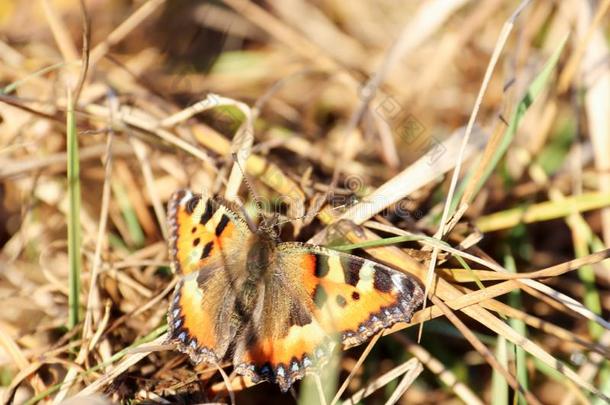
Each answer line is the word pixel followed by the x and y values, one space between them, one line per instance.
pixel 471 138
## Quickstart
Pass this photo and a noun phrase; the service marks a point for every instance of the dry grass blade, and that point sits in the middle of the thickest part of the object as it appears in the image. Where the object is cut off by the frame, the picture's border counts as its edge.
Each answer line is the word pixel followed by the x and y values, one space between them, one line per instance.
pixel 320 389
pixel 412 367
pixel 54 162
pixel 227 382
pixel 417 175
pixel 128 361
pixel 148 125
pixel 549 328
pixel 60 32
pixel 24 374
pixel 444 374
pixel 355 369
pixel 568 302
pixel 405 383
pixel 596 80
pixel 569 70
pixel 116 36
pixel 141 152
pixel 501 328
pixel 483 350
pixel 25 369
pixel 591 367
pixel 282 32
pixel 428 19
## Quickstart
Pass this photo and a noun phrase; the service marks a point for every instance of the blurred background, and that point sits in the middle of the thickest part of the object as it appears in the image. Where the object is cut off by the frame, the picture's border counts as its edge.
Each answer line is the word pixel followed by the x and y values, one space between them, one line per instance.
pixel 371 87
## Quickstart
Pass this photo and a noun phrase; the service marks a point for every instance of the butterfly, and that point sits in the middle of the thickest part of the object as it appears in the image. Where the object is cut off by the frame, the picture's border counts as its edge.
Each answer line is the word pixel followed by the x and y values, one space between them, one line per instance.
pixel 274 309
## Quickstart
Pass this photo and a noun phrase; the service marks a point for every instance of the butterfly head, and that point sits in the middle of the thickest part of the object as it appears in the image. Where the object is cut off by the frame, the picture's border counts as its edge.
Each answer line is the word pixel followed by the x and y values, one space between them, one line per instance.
pixel 269 226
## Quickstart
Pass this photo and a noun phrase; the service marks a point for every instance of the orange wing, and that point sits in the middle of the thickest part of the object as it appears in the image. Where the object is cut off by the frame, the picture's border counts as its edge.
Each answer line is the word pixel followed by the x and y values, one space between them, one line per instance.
pixel 206 245
pixel 203 231
pixel 315 297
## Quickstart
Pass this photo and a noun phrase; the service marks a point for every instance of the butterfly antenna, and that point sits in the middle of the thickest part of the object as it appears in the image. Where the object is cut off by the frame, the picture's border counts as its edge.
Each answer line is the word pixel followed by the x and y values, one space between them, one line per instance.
pixel 251 191
pixel 313 214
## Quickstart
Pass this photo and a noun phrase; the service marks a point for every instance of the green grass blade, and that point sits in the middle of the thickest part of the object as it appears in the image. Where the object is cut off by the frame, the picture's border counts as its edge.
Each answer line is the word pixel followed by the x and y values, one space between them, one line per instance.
pixel 129 214
pixel 514 300
pixel 533 91
pixel 377 243
pixel 499 386
pixel 543 211
pixel 74 200
pixel 39 73
pixel 592 298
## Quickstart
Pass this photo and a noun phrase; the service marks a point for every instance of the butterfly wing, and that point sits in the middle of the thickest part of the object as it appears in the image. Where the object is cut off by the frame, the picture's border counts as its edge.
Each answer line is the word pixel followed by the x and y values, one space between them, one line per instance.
pixel 203 231
pixel 312 295
pixel 206 244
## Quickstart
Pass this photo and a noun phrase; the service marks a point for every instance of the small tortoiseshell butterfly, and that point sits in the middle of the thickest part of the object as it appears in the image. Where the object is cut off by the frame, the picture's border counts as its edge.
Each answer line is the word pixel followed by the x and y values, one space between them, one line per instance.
pixel 274 309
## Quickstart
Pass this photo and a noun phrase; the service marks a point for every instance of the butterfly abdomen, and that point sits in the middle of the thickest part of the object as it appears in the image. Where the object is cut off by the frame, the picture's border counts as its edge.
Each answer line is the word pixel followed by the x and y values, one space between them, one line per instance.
pixel 246 299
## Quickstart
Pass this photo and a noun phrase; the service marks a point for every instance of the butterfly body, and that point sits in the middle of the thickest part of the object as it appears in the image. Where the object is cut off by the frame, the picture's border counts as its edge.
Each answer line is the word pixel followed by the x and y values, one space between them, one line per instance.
pixel 275 309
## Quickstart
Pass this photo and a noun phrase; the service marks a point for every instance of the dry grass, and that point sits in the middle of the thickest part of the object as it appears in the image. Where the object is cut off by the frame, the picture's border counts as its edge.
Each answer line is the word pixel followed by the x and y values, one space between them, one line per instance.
pixel 464 142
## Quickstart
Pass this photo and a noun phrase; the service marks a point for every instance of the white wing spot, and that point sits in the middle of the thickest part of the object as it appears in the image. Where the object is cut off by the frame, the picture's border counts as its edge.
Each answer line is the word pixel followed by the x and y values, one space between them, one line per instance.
pixel 367 272
pixel 187 196
pixel 397 280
